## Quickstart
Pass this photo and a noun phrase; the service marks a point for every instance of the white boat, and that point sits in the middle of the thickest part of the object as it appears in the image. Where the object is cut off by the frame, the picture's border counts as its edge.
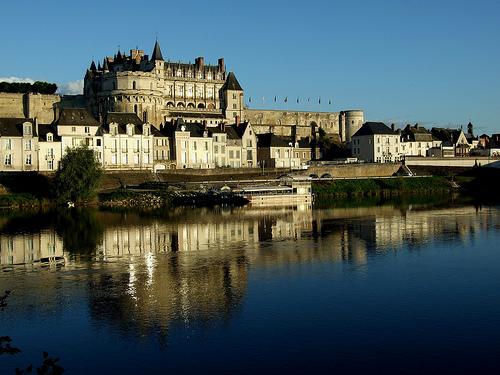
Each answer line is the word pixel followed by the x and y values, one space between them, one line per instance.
pixel 292 193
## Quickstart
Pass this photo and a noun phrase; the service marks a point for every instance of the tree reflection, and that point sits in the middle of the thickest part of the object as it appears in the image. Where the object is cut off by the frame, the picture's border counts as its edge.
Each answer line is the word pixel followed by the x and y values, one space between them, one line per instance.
pixel 80 230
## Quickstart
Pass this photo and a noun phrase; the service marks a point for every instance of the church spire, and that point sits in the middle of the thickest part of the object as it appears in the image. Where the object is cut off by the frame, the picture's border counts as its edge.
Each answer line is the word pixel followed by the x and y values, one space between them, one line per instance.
pixel 157 52
pixel 92 66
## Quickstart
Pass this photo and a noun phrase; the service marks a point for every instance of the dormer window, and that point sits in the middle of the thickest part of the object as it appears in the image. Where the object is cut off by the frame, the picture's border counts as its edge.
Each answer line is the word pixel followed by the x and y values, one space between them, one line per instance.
pixel 130 129
pixel 113 130
pixel 50 137
pixel 179 73
pixel 146 130
pixel 27 129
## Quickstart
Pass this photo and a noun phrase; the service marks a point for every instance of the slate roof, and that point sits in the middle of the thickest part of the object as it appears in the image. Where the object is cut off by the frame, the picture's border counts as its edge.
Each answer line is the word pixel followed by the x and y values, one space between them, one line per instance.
pixel 76 117
pixel 416 134
pixel 157 52
pixel 271 140
pixel 123 118
pixel 43 130
pixel 231 83
pixel 13 127
pixel 446 135
pixel 371 128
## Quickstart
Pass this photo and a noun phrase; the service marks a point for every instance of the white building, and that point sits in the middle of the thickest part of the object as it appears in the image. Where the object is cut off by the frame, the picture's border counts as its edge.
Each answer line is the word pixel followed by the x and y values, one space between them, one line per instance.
pixel 375 142
pixel 19 144
pixel 77 127
pixel 417 141
pixel 128 142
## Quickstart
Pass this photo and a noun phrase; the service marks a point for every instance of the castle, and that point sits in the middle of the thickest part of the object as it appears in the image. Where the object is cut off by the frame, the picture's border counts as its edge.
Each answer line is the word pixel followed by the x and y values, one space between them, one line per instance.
pixel 160 91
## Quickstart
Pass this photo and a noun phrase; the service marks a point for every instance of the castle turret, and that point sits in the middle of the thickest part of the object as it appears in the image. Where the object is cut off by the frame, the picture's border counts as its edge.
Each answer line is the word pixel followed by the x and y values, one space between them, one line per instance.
pixel 354 120
pixel 232 97
pixel 157 55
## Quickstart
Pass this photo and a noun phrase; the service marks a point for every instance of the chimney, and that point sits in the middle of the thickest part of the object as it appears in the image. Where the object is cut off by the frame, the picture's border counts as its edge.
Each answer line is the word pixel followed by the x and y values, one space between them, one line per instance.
pixel 222 67
pixel 36 125
pixel 416 125
pixel 205 124
pixel 392 127
pixel 222 126
pixel 200 62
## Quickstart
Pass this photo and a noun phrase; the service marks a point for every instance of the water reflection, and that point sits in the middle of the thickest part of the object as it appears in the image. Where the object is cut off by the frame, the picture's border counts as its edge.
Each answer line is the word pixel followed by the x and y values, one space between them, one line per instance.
pixel 142 274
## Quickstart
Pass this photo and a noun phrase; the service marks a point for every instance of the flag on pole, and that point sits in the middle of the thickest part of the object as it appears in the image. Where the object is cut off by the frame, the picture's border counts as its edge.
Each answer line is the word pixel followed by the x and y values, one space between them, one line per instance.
pixel 329 102
pixel 319 101
pixel 308 100
pixel 250 99
pixel 297 100
pixel 286 99
pixel 275 98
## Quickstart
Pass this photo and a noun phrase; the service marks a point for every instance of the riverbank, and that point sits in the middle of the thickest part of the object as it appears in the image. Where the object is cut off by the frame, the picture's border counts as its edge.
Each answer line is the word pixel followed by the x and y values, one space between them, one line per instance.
pixel 380 187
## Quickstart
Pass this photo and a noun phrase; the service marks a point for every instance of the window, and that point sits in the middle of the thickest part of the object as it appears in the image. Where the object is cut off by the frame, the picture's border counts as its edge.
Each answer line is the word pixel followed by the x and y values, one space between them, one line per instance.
pixel 216 149
pixel 249 143
pixel 234 96
pixel 234 106
pixel 50 137
pixel 206 147
pixel 50 153
pixel 73 129
pixel 8 159
pixel 87 129
pixel 27 160
pixel 237 154
pixel 27 145
pixel 8 144
pixel 134 86
pixel 27 129
pixel 231 154
pixel 50 164
pixel 98 142
pixel 249 155
pixel 194 145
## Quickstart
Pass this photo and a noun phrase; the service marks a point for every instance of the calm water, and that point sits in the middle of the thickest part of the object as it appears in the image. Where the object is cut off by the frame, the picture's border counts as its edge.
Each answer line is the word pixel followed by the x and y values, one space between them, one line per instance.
pixel 357 290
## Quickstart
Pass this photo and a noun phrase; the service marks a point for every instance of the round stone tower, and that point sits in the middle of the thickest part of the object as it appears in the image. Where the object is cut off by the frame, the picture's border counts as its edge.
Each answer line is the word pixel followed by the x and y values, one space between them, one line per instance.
pixel 354 119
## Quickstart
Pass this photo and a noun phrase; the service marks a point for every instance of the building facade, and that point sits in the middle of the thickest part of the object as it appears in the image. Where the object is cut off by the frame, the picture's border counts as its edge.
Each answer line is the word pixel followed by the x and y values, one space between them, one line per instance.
pixel 375 142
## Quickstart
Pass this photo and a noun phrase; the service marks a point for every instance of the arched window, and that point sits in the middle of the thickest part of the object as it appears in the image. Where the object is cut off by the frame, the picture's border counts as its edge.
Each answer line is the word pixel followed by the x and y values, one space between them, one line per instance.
pixel 133 85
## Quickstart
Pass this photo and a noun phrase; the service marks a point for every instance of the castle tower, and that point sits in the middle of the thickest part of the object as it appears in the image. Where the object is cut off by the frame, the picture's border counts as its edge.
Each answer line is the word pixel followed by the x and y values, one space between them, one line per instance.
pixel 157 58
pixel 232 100
pixel 354 119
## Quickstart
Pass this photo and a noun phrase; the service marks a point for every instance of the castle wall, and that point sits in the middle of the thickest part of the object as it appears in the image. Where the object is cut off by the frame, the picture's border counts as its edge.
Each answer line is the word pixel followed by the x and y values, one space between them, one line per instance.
pixel 11 105
pixel 282 122
pixel 30 105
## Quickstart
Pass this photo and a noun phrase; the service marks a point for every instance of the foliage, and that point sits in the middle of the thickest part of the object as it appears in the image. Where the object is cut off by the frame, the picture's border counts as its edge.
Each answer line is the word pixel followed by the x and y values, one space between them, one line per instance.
pixel 80 230
pixel 38 87
pixel 377 186
pixel 78 175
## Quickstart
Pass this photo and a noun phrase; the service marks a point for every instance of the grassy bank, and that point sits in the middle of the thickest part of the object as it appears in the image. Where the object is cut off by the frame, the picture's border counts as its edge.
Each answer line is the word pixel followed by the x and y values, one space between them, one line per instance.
pixel 22 200
pixel 380 187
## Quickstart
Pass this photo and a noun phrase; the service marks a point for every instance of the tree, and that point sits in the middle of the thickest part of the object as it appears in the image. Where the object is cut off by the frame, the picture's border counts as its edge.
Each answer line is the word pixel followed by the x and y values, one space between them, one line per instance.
pixel 78 175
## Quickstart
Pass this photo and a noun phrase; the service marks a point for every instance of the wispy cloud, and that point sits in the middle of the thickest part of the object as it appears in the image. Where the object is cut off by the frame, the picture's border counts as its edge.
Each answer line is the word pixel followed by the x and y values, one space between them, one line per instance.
pixel 70 88
pixel 17 79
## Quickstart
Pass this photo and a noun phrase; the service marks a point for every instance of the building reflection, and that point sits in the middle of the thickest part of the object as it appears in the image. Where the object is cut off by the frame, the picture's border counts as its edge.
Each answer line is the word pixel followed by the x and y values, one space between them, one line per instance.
pixel 192 266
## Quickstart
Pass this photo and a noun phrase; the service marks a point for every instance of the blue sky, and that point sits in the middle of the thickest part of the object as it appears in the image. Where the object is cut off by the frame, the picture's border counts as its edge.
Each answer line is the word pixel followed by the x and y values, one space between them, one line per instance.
pixel 432 62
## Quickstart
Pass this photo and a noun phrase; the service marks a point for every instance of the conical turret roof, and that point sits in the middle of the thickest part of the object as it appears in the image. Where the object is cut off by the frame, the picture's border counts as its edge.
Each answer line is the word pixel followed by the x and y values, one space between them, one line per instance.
pixel 156 52
pixel 232 83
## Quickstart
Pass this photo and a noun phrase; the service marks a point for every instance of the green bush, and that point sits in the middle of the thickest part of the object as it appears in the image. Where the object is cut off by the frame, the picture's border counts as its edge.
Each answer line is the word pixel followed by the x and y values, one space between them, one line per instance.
pixel 78 175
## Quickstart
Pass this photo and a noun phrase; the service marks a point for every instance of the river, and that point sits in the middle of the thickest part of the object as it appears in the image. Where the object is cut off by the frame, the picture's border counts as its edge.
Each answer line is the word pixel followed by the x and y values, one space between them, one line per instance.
pixel 384 289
